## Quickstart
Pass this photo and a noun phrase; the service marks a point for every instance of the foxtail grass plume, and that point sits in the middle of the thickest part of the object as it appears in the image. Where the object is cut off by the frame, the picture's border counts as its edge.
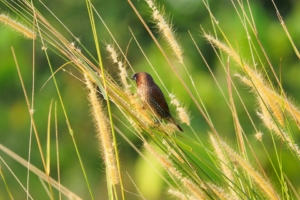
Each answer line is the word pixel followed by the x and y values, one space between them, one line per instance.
pixel 274 128
pixel 17 26
pixel 164 161
pixel 194 189
pixel 221 193
pixel 225 164
pixel 173 152
pixel 259 136
pixel 165 28
pixel 180 195
pixel 270 101
pixel 277 103
pixel 168 165
pixel 271 105
pixel 266 188
pixel 182 113
pixel 103 134
pixel 122 70
pixel 112 53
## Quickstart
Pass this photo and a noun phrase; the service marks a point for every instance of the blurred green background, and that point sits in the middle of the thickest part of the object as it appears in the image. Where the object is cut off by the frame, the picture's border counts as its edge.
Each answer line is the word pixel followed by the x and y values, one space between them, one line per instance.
pixel 186 15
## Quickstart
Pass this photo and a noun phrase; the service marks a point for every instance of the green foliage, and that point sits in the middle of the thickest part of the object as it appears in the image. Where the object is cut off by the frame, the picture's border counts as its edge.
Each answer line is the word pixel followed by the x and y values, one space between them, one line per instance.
pixel 235 80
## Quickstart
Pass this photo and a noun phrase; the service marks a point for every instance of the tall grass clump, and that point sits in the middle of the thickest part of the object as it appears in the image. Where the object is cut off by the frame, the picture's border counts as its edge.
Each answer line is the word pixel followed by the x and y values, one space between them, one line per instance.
pixel 240 122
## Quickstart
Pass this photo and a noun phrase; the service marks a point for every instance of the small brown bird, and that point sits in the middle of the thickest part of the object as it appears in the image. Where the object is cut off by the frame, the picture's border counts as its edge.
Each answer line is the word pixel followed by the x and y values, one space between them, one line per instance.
pixel 153 98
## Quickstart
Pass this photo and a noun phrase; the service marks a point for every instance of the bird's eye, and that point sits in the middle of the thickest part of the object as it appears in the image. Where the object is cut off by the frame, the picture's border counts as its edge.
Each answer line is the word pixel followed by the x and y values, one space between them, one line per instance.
pixel 134 76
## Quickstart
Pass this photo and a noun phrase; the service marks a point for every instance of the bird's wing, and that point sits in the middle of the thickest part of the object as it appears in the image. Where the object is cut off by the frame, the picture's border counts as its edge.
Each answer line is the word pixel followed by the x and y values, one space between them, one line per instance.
pixel 159 101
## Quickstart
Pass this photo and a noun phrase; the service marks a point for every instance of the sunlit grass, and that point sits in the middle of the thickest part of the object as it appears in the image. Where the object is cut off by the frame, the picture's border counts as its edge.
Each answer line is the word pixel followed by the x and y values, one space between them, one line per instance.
pixel 214 169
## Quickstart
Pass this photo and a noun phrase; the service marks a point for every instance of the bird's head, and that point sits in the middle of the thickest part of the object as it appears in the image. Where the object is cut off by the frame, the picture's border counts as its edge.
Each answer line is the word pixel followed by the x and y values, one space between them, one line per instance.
pixel 142 78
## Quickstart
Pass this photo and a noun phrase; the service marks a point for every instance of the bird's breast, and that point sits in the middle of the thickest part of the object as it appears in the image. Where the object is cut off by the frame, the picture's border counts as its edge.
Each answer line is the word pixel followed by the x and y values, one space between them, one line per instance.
pixel 144 92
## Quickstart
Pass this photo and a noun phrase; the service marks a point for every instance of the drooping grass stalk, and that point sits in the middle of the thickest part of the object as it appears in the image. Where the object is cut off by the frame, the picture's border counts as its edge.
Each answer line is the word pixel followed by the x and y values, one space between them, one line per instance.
pixel 17 26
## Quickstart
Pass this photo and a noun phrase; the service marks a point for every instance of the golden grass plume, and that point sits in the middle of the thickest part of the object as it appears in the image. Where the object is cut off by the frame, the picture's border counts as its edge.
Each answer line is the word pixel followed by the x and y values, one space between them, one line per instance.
pixel 17 26
pixel 103 134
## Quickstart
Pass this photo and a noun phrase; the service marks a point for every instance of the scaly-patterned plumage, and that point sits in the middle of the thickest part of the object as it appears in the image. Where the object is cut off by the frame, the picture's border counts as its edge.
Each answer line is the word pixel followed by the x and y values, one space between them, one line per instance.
pixel 153 98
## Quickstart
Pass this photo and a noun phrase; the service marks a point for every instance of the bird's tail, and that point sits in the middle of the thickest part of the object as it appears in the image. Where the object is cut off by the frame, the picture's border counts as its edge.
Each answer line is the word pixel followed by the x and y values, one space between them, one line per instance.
pixel 175 123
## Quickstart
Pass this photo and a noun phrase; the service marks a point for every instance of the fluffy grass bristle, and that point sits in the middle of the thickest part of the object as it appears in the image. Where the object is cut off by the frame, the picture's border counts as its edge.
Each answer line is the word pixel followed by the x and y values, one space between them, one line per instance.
pixel 166 29
pixel 17 26
pixel 103 133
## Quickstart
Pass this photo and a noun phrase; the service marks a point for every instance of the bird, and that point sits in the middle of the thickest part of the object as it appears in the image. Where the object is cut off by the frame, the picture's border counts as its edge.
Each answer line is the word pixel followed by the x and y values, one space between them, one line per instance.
pixel 153 98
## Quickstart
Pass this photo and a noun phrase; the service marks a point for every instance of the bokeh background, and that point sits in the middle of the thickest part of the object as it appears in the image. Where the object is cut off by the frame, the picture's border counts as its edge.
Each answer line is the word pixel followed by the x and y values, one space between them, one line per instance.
pixel 118 15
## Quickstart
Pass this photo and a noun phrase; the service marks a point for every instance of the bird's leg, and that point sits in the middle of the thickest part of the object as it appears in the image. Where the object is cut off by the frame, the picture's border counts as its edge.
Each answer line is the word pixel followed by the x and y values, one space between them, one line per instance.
pixel 157 121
